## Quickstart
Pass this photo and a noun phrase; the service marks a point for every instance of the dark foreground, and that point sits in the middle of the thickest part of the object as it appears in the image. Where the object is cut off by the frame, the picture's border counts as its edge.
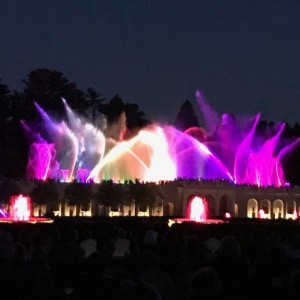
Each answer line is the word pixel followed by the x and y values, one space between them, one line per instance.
pixel 143 258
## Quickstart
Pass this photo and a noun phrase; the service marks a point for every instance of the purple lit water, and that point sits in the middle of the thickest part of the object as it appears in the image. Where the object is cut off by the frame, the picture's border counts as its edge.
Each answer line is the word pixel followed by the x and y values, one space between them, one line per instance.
pixel 75 149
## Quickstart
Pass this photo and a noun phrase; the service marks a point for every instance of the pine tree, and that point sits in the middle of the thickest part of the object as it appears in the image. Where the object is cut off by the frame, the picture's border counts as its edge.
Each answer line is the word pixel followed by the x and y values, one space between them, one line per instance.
pixel 186 117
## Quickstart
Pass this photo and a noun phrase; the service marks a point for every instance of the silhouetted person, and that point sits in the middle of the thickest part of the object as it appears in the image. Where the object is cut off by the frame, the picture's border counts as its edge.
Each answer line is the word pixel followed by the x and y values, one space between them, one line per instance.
pixel 161 281
pixel 232 268
pixel 294 284
pixel 205 285
pixel 121 244
pixel 65 259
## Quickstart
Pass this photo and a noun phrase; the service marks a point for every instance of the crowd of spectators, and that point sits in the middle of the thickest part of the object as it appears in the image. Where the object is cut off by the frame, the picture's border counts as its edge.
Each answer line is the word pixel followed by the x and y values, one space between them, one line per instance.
pixel 143 258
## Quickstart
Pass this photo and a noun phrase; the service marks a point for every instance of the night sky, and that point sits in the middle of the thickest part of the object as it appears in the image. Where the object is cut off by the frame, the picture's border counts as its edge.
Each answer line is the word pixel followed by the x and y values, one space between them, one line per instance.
pixel 243 55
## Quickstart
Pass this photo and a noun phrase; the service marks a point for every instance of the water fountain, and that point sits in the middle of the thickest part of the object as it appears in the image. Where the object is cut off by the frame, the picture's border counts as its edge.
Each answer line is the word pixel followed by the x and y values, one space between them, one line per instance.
pixel 20 211
pixel 250 159
pixel 75 149
pixel 197 209
pixel 196 212
pixel 20 208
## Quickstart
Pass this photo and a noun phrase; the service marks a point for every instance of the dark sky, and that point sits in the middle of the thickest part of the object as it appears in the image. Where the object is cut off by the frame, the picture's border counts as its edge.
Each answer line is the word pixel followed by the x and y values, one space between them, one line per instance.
pixel 243 55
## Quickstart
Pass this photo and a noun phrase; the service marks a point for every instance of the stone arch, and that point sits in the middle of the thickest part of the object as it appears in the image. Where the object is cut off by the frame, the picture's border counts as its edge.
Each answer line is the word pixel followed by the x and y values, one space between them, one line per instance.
pixel 211 206
pixel 252 208
pixel 278 209
pixel 223 205
pixel 290 209
pixel 265 205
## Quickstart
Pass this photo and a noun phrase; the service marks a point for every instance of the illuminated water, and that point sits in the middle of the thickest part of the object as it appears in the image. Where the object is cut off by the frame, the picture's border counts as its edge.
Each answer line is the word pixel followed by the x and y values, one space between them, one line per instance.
pixel 20 211
pixel 2 213
pixel 20 208
pixel 75 149
pixel 197 209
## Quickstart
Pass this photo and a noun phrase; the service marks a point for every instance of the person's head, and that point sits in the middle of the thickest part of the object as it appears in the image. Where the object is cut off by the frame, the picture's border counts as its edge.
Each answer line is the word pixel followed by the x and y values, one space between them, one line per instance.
pixel 85 234
pixel 140 290
pixel 230 247
pixel 6 246
pixel 70 235
pixel 294 282
pixel 122 233
pixel 20 253
pixel 205 284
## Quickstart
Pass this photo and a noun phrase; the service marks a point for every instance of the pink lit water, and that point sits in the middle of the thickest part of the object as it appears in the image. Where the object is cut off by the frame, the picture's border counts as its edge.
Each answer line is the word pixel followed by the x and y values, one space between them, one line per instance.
pixel 20 211
pixel 75 149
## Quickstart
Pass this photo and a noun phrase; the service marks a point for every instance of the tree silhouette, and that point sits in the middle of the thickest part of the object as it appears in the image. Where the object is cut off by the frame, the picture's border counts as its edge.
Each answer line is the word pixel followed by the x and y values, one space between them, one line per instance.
pixel 5 102
pixel 186 117
pixel 5 125
pixel 94 102
pixel 152 195
pixel 45 193
pixel 137 192
pixel 113 109
pixel 78 194
pixel 107 193
pixel 144 195
pixel 296 129
pixel 12 160
pixel 135 118
pixel 8 188
pixel 47 87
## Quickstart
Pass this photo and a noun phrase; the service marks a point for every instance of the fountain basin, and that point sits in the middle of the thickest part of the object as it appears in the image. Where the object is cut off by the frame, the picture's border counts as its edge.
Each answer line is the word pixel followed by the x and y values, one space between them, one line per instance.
pixel 32 220
pixel 20 212
pixel 186 220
